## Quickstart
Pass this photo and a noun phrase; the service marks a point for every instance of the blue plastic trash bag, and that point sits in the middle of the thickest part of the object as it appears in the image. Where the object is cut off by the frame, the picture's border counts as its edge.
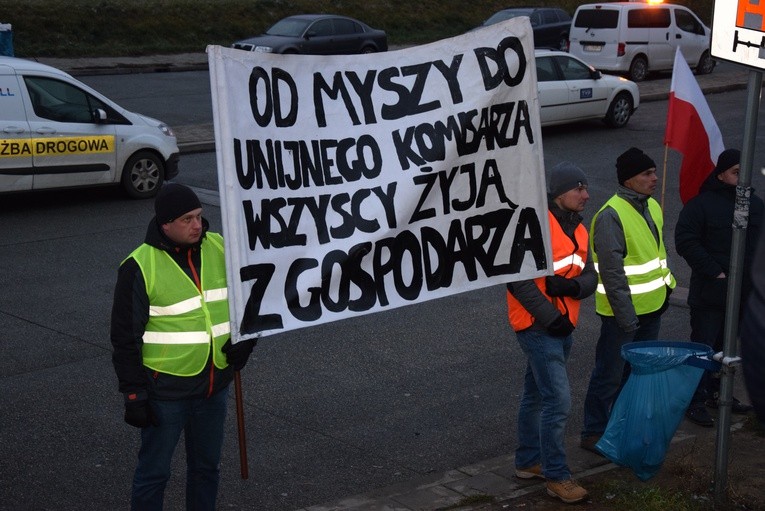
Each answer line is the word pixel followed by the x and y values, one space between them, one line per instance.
pixel 664 375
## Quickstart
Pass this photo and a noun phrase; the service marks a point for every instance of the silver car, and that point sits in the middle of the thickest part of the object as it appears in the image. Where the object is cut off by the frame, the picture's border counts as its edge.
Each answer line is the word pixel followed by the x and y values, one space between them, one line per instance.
pixel 571 90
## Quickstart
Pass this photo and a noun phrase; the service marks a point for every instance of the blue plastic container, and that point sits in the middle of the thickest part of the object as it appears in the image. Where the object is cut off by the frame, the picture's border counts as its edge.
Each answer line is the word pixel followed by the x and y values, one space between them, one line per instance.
pixel 664 375
pixel 6 40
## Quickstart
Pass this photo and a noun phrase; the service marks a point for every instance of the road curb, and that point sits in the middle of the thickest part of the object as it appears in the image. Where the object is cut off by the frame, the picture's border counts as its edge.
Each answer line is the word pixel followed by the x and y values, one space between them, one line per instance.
pixel 494 477
pixel 203 146
pixel 708 89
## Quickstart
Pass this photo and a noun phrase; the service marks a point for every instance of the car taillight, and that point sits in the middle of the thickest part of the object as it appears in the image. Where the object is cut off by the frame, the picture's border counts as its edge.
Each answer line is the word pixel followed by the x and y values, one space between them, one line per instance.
pixel 620 50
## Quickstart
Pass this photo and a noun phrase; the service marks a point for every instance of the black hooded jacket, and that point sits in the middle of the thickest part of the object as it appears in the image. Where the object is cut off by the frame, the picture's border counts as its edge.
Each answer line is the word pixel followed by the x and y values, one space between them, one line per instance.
pixel 130 313
pixel 753 335
pixel 703 237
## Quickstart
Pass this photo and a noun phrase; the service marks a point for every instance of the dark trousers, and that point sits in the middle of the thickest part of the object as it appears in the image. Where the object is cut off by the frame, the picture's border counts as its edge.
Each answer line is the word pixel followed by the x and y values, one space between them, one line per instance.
pixel 611 370
pixel 202 422
pixel 707 327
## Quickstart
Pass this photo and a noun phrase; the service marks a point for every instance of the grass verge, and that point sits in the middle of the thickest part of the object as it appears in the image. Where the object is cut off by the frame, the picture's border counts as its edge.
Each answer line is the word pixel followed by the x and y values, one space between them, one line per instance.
pixel 101 28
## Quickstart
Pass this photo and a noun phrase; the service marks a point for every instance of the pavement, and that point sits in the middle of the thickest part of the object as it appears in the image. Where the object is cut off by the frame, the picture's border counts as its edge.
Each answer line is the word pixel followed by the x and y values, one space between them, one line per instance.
pixel 454 488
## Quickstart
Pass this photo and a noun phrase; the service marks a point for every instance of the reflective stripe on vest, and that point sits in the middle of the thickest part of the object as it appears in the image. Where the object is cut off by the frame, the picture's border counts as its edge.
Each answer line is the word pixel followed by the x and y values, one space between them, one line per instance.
pixel 182 321
pixel 568 261
pixel 645 264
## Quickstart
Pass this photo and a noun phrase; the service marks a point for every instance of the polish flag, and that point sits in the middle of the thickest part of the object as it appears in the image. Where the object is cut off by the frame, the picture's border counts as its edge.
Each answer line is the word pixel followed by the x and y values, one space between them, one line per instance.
pixel 691 129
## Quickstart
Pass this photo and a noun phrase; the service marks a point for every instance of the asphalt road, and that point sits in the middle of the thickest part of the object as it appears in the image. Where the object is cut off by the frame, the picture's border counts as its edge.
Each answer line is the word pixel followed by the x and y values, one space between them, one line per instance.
pixel 332 410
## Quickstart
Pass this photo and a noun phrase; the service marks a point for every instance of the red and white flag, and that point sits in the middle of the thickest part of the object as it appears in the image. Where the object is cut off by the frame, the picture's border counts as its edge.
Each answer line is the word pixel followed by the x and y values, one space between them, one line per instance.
pixel 691 129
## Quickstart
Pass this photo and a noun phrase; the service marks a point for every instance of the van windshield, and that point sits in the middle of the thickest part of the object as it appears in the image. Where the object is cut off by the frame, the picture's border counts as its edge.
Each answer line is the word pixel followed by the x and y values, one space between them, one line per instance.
pixel 597 18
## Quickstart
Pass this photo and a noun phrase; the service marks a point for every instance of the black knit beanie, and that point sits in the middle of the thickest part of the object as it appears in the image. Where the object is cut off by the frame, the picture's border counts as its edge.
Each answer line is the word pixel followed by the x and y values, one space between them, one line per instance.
pixel 174 200
pixel 632 162
pixel 563 177
pixel 726 160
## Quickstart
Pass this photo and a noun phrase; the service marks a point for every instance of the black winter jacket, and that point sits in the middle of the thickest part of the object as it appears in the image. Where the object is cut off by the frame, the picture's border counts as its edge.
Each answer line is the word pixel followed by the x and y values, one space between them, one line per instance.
pixel 703 237
pixel 130 313
pixel 753 335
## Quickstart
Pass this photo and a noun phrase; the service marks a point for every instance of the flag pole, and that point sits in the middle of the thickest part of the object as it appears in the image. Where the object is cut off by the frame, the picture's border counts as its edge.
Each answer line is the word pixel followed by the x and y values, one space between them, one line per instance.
pixel 244 470
pixel 664 176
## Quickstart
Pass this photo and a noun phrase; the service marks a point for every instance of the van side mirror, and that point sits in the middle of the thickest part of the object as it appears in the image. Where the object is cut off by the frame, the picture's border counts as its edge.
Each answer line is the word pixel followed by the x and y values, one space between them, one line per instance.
pixel 99 115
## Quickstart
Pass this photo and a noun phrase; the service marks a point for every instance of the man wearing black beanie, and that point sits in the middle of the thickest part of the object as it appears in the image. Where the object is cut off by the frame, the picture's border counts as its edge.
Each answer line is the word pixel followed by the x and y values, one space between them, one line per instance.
pixel 634 282
pixel 172 350
pixel 544 312
pixel 703 237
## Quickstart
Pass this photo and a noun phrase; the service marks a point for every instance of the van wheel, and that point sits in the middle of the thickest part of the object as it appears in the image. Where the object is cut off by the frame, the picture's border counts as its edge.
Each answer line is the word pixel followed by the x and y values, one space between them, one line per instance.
pixel 638 69
pixel 143 175
pixel 619 111
pixel 706 64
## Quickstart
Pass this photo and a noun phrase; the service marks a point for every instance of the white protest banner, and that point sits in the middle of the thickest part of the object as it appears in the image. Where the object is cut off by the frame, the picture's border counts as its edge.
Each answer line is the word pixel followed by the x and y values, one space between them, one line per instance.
pixel 360 183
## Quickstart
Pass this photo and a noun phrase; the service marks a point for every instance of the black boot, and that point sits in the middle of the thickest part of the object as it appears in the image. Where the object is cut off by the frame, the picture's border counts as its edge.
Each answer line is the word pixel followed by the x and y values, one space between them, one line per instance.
pixel 698 414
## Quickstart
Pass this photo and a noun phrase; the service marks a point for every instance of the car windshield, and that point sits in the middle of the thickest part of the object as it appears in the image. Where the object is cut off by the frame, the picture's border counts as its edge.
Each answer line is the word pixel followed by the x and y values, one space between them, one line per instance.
pixel 504 15
pixel 288 27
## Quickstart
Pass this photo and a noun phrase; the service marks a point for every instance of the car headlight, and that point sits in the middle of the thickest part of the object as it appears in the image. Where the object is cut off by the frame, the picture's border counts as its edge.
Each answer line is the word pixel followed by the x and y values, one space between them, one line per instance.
pixel 263 49
pixel 167 130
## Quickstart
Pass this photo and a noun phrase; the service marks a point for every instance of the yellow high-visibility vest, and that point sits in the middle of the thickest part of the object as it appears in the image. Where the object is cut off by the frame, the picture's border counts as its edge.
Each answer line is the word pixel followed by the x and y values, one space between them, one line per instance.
pixel 645 264
pixel 184 323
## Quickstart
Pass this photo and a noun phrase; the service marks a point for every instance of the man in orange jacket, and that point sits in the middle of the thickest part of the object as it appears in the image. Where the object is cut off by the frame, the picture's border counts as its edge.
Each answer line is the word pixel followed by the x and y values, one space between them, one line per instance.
pixel 544 312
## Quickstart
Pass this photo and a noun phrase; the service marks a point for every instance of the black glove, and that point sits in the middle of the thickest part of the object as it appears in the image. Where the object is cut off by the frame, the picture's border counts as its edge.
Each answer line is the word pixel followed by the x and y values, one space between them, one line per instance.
pixel 139 414
pixel 561 286
pixel 238 354
pixel 561 327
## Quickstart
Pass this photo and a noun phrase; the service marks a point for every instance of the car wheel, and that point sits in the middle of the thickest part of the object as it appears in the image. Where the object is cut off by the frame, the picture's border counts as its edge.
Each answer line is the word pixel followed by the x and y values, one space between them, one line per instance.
pixel 706 64
pixel 619 111
pixel 369 49
pixel 563 43
pixel 143 175
pixel 638 69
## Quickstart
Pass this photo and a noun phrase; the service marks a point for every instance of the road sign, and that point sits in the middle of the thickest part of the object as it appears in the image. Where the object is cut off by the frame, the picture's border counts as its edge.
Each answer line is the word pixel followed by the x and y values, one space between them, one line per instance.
pixel 738 32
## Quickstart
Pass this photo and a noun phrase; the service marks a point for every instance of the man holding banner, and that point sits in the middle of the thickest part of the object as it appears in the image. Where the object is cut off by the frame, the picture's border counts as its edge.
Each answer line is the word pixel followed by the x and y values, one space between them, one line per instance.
pixel 634 282
pixel 544 312
pixel 172 353
pixel 355 185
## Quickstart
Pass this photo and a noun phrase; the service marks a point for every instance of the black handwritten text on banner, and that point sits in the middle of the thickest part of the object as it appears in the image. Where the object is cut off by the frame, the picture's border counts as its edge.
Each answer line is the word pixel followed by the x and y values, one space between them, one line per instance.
pixel 357 184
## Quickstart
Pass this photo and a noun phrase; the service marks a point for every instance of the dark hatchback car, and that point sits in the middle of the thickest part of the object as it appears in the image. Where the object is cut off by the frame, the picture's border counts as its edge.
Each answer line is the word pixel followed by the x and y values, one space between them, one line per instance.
pixel 317 34
pixel 550 24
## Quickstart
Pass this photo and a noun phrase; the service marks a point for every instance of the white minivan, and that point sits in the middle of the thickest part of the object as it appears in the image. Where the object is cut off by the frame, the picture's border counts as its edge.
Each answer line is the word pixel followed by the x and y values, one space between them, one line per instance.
pixel 56 132
pixel 637 38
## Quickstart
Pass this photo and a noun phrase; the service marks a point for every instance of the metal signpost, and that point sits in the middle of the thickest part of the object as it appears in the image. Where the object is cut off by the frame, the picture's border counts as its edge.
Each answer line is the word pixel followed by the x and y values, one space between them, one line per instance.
pixel 738 35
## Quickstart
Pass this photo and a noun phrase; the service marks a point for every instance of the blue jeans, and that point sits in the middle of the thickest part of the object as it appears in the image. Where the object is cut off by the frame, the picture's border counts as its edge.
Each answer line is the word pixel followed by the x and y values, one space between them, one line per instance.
pixel 545 404
pixel 611 371
pixel 202 420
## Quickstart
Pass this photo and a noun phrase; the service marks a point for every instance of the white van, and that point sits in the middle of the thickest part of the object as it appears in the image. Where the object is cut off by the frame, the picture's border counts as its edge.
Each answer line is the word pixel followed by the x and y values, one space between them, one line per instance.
pixel 637 38
pixel 56 132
